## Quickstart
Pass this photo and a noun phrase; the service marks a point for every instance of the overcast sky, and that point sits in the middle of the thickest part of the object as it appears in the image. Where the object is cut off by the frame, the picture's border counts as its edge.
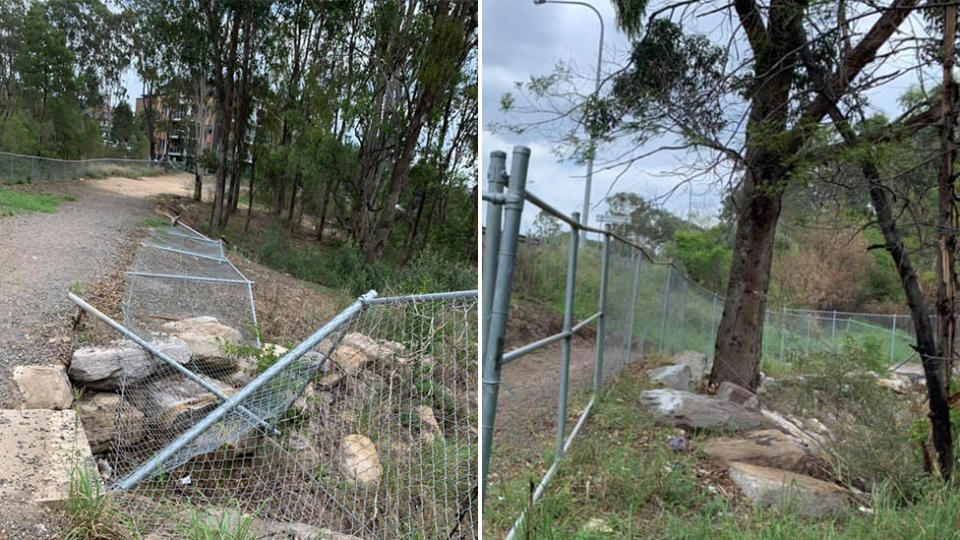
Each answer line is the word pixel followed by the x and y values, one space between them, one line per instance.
pixel 520 39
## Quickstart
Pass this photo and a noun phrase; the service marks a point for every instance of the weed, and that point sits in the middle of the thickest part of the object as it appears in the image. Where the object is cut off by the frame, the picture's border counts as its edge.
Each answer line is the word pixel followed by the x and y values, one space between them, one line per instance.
pixel 91 514
pixel 225 525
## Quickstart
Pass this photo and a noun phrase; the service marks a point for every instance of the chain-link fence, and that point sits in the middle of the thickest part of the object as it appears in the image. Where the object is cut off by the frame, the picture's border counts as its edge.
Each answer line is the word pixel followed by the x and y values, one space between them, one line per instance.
pixel 635 305
pixel 178 273
pixel 366 428
pixel 21 169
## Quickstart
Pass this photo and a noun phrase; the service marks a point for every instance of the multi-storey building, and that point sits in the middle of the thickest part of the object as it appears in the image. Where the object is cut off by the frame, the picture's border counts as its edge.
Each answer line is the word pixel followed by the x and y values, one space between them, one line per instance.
pixel 175 128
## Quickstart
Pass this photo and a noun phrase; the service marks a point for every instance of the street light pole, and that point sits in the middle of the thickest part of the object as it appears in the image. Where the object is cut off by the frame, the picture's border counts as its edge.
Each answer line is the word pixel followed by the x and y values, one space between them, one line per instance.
pixel 585 215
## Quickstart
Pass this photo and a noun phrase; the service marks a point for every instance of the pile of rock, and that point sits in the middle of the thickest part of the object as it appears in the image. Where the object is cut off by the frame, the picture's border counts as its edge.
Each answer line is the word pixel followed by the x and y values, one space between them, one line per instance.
pixel 769 455
pixel 158 399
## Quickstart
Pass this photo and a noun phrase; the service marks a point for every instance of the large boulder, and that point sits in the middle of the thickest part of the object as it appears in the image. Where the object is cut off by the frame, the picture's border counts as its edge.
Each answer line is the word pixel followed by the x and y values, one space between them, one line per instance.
pixel 783 490
pixel 123 362
pixel 175 402
pixel 43 387
pixel 205 336
pixel 677 377
pixel 359 460
pixel 698 363
pixel 694 411
pixel 101 416
pixel 735 393
pixel 768 448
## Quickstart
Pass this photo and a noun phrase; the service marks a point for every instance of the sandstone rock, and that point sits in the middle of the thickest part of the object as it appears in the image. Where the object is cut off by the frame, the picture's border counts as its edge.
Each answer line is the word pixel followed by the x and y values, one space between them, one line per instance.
pixel 899 385
pixel 429 427
pixel 698 363
pixel 175 402
pixel 912 371
pixel 105 368
pixel 43 387
pixel 778 489
pixel 808 433
pixel 735 393
pixel 597 526
pixel 688 410
pixel 359 460
pixel 204 335
pixel 768 448
pixel 677 377
pixel 98 413
pixel 349 359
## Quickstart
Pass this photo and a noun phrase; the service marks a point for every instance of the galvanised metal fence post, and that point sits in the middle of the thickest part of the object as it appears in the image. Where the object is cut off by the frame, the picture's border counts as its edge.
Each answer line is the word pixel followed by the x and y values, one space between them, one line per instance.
pixel 496 182
pixel 893 335
pixel 809 323
pixel 783 330
pixel 683 311
pixel 602 323
pixel 631 320
pixel 665 312
pixel 500 307
pixel 714 323
pixel 568 337
pixel 833 329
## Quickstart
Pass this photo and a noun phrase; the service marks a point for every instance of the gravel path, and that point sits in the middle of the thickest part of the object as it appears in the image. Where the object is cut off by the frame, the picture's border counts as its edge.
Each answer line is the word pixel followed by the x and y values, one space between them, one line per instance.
pixel 43 255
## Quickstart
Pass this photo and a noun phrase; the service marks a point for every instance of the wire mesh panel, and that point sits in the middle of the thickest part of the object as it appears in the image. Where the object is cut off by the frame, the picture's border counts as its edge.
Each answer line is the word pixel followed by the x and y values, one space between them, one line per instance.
pixel 372 432
pixel 179 274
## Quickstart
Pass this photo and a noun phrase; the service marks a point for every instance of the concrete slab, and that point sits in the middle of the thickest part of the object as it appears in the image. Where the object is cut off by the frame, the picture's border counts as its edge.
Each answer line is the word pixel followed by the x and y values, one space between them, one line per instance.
pixel 38 450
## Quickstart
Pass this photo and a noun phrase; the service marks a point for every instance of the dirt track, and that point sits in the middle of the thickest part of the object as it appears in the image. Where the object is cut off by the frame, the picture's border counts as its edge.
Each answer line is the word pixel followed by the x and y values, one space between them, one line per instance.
pixel 43 255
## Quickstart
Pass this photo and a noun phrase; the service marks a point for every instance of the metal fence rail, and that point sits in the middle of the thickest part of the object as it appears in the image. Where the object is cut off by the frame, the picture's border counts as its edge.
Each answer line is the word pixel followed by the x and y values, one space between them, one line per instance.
pixel 636 304
pixel 19 168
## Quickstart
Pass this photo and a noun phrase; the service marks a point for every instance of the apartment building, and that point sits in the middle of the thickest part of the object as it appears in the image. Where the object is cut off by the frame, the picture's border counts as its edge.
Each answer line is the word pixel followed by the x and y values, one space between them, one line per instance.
pixel 175 127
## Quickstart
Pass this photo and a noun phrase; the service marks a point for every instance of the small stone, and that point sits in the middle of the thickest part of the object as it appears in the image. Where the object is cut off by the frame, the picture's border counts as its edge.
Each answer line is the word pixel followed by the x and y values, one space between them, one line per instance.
pixel 44 387
pixel 735 393
pixel 359 460
pixel 698 363
pixel 429 428
pixel 677 377
pixel 596 525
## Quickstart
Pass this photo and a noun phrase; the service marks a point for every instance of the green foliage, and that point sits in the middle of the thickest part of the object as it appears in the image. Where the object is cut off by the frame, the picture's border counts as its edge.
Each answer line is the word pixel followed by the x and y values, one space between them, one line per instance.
pixel 704 255
pixel 13 201
pixel 345 267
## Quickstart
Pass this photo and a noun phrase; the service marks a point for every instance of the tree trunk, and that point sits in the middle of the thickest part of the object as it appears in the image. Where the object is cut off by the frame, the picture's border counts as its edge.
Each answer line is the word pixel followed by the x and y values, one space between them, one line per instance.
pixel 933 364
pixel 946 215
pixel 253 172
pixel 327 193
pixel 225 97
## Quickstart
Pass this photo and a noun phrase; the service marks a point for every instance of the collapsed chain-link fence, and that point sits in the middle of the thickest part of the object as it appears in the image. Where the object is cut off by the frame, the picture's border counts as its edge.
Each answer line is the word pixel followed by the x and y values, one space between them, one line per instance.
pixel 366 428
pixel 178 273
pixel 603 284
pixel 23 169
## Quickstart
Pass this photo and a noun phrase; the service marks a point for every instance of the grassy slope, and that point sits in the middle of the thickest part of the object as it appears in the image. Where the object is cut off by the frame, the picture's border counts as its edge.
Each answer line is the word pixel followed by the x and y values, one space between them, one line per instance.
pixel 621 470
